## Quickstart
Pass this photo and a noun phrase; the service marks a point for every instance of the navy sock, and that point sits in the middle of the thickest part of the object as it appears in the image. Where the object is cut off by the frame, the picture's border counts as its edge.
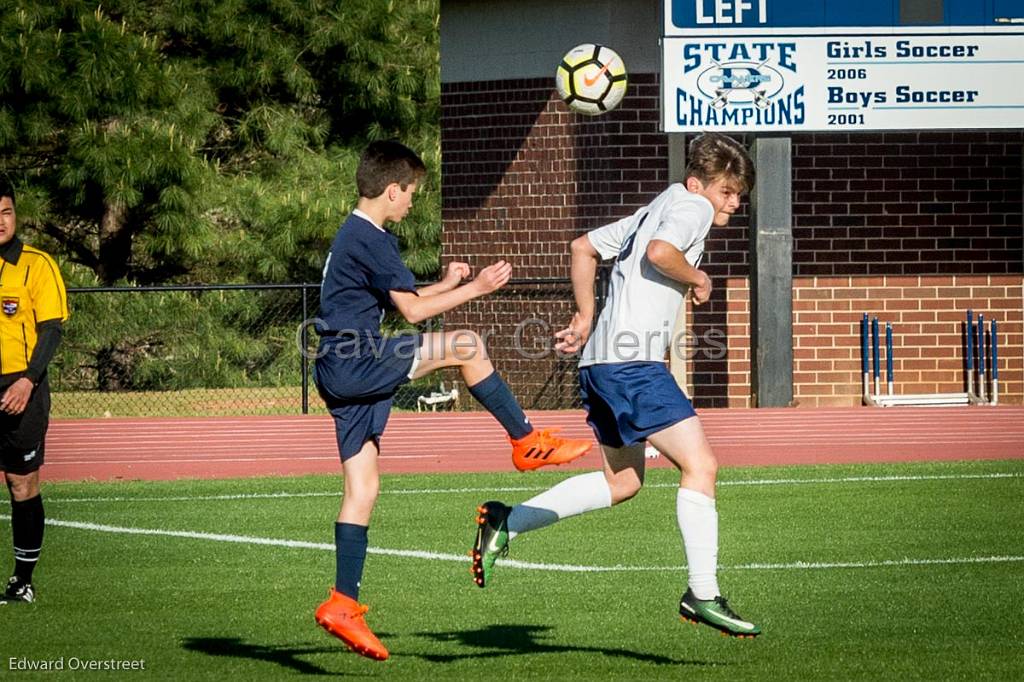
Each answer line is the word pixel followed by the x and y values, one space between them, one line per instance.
pixel 494 394
pixel 27 523
pixel 350 541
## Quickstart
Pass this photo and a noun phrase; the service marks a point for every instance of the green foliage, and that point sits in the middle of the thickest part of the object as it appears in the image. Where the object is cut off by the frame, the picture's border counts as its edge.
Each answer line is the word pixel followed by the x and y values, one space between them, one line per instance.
pixel 191 141
pixel 278 229
pixel 176 340
pixel 211 140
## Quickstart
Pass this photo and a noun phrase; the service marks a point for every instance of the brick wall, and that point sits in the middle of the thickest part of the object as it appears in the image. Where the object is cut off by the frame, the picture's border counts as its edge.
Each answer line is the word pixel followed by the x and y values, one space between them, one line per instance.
pixel 915 227
pixel 927 314
pixel 521 177
pixel 929 203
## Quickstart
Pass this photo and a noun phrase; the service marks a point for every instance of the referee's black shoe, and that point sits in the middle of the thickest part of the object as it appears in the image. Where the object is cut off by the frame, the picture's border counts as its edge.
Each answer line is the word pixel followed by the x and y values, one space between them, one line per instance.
pixel 18 591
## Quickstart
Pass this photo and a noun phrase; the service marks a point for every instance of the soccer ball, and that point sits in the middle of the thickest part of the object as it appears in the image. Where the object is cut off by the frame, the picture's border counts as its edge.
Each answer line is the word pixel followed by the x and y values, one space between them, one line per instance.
pixel 591 79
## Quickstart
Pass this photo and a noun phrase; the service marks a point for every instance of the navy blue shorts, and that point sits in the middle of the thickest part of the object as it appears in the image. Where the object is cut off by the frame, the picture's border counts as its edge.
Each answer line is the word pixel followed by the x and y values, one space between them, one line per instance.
pixel 357 380
pixel 628 401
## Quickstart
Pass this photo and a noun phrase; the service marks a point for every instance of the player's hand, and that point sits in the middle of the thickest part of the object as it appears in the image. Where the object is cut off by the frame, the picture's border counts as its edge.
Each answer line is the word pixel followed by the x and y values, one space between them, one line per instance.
pixel 700 293
pixel 455 273
pixel 15 398
pixel 574 337
pixel 493 277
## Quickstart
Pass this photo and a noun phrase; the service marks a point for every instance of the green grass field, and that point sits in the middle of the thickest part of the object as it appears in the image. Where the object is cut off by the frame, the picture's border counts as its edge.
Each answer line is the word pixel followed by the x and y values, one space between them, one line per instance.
pixel 854 572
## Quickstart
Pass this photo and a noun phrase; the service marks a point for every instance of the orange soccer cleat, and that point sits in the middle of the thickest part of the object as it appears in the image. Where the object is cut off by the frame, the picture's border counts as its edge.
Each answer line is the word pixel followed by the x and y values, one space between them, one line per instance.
pixel 541 448
pixel 342 616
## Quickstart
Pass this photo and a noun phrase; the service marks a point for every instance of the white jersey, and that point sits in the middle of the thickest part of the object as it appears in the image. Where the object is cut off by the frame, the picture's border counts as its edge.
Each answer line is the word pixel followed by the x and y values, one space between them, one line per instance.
pixel 640 310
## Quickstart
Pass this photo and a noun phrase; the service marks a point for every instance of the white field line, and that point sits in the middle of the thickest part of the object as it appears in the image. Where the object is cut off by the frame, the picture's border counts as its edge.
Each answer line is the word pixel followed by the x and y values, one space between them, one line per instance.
pixel 527 565
pixel 518 489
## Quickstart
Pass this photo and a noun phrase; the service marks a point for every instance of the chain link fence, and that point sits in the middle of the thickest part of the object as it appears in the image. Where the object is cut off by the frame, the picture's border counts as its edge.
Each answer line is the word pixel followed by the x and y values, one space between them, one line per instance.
pixel 236 350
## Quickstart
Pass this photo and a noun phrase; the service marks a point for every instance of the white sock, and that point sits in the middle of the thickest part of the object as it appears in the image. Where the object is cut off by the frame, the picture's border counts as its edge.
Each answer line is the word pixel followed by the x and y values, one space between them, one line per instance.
pixel 572 496
pixel 698 523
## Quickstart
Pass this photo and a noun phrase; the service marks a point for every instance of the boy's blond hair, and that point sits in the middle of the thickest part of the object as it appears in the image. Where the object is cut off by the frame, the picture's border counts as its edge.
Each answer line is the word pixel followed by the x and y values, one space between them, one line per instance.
pixel 713 156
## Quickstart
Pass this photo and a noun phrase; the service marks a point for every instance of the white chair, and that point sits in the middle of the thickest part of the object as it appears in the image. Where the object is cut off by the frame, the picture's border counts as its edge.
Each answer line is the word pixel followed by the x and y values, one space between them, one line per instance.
pixel 436 398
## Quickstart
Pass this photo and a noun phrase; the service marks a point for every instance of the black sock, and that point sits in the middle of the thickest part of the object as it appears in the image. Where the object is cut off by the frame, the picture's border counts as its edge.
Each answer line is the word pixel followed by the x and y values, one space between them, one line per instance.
pixel 496 397
pixel 350 541
pixel 27 522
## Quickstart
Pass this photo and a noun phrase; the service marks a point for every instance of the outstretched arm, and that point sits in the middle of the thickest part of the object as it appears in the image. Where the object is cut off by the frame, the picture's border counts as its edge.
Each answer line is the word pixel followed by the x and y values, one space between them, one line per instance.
pixel 415 308
pixel 584 268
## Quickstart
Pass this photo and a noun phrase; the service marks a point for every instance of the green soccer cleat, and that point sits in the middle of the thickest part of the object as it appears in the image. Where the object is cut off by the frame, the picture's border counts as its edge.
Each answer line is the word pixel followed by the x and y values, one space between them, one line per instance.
pixel 716 613
pixel 491 540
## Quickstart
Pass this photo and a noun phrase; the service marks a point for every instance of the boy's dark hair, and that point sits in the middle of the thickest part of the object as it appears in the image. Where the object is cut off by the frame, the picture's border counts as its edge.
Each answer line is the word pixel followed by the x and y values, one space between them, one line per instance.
pixel 386 162
pixel 6 188
pixel 712 156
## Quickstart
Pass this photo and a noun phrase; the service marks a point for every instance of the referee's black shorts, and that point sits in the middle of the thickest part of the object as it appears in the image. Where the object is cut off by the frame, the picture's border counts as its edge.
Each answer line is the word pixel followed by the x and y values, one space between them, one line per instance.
pixel 22 436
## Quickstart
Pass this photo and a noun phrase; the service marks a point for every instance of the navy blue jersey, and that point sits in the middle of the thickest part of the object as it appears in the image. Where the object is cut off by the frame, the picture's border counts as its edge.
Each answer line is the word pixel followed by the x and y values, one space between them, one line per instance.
pixel 362 267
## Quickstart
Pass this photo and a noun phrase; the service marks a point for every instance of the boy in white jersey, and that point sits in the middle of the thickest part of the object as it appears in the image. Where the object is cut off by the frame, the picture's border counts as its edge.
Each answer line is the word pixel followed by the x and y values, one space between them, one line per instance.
pixel 627 390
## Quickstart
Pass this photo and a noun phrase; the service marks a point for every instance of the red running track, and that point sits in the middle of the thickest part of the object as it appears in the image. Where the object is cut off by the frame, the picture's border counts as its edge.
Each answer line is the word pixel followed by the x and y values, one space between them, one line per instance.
pixel 169 448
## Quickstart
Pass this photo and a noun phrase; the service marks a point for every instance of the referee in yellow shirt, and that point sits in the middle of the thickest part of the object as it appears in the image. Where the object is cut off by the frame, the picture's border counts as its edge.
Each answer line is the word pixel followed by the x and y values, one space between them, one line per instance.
pixel 33 307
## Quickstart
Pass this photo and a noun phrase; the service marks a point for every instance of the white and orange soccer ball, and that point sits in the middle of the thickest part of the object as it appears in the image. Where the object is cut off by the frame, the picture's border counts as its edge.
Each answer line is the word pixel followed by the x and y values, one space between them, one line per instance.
pixel 591 79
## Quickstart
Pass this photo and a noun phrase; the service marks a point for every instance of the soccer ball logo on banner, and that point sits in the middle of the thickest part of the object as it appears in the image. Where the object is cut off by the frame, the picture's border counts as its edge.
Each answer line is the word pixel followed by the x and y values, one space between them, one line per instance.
pixel 591 79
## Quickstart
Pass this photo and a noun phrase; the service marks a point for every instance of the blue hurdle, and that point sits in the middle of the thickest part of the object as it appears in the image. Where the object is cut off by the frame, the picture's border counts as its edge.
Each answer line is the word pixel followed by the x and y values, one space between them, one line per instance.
pixel 983 384
pixel 874 350
pixel 995 365
pixel 976 343
pixel 888 358
pixel 981 356
pixel 969 350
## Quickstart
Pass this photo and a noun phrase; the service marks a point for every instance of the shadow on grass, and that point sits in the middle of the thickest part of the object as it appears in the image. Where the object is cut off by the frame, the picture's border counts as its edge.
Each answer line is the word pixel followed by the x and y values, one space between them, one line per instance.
pixel 518 640
pixel 282 655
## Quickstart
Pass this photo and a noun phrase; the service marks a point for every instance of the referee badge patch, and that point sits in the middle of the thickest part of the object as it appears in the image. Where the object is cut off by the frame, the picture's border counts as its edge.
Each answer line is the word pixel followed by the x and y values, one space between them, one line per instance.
pixel 10 304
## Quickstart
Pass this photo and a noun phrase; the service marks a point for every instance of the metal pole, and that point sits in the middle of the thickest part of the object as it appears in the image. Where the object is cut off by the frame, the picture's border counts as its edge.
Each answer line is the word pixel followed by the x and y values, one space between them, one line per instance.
pixel 969 352
pixel 865 382
pixel 888 356
pixel 771 273
pixel 874 353
pixel 305 346
pixel 981 357
pixel 995 365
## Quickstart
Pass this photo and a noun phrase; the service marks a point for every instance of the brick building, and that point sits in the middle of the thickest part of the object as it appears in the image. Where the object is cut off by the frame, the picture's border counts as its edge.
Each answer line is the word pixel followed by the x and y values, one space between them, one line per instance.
pixel 915 227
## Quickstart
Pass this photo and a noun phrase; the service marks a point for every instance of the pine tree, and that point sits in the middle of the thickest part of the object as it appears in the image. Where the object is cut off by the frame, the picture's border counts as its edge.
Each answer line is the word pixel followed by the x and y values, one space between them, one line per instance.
pixel 212 140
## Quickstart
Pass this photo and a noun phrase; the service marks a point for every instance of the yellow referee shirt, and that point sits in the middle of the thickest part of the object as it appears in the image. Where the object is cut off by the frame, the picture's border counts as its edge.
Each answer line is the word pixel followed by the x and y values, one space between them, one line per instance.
pixel 31 291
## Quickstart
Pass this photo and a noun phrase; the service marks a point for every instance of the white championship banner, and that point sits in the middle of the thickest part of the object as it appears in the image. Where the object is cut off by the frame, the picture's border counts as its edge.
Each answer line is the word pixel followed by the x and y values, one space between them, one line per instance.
pixel 842 82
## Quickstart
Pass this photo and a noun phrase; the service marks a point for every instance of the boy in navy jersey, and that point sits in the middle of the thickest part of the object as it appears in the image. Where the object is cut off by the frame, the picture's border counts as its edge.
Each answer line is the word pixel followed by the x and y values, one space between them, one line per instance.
pixel 627 390
pixel 358 370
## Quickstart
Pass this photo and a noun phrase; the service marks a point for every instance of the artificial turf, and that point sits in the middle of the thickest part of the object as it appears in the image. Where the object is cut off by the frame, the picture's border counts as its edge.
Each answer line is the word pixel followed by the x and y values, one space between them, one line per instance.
pixel 853 572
